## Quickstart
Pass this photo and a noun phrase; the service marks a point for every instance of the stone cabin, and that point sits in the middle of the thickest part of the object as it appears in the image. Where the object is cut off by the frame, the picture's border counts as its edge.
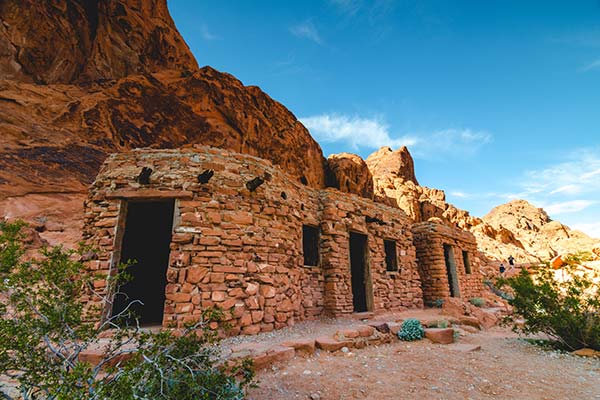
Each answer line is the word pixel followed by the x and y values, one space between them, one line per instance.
pixel 448 263
pixel 212 227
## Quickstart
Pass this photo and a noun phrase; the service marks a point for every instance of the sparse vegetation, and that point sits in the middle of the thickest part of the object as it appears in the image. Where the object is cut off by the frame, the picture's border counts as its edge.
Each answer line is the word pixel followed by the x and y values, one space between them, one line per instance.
pixel 43 333
pixel 565 307
pixel 411 330
pixel 477 301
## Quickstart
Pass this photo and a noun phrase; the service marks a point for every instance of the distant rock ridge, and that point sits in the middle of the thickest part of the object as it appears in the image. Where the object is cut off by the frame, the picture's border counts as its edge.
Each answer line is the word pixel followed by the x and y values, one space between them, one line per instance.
pixel 516 228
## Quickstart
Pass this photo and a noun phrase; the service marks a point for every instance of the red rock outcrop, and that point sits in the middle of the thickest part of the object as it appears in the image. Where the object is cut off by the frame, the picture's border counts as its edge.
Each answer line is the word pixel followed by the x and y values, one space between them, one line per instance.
pixel 94 77
pixel 516 228
pixel 349 173
pixel 396 164
pixel 66 41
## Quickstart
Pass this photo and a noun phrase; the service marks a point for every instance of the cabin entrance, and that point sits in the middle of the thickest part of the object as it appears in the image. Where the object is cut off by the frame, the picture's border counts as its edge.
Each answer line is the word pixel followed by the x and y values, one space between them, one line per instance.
pixel 358 271
pixel 451 271
pixel 146 239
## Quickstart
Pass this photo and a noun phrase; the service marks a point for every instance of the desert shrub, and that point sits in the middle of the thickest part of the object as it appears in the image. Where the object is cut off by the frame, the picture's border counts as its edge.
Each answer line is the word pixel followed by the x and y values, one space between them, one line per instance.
pixel 566 308
pixel 477 301
pixel 43 332
pixel 411 330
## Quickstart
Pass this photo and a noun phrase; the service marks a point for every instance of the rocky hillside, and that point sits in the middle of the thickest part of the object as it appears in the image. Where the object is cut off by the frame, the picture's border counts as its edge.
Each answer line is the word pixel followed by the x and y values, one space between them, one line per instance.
pixel 516 228
pixel 93 77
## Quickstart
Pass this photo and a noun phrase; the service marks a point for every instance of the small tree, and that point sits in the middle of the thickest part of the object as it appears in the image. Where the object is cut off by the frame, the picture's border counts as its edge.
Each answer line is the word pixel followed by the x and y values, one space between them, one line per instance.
pixel 43 333
pixel 566 309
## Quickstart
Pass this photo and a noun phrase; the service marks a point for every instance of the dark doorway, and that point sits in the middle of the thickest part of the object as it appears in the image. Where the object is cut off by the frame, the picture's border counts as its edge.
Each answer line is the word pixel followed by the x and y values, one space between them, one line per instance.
pixel 358 271
pixel 391 258
pixel 310 245
pixel 451 271
pixel 146 240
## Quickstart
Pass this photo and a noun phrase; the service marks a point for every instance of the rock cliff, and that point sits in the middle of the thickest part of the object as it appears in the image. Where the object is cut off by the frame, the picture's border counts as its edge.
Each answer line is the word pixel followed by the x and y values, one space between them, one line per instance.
pixel 516 228
pixel 93 77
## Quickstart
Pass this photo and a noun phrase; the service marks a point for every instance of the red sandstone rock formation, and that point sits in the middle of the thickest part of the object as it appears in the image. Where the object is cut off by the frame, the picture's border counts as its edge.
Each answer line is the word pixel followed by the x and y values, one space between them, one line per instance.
pixel 516 228
pixel 349 173
pixel 81 79
pixel 66 41
pixel 397 164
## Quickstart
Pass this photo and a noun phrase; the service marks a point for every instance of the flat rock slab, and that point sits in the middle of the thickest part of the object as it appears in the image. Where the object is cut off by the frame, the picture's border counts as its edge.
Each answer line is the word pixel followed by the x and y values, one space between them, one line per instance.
pixel 330 344
pixel 464 347
pixel 306 346
pixel 471 321
pixel 586 353
pixel 440 335
pixel 346 334
pixel 275 354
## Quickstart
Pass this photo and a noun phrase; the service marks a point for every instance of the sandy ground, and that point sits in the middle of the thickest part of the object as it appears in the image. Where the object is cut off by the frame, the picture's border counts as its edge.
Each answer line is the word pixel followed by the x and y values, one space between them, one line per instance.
pixel 505 368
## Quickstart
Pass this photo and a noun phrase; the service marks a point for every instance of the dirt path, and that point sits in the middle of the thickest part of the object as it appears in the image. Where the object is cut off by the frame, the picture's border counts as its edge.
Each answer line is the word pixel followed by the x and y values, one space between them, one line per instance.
pixel 505 368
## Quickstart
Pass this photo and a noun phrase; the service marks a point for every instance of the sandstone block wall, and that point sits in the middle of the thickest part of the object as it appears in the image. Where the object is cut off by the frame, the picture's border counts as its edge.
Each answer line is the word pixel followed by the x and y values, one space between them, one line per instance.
pixel 242 249
pixel 429 240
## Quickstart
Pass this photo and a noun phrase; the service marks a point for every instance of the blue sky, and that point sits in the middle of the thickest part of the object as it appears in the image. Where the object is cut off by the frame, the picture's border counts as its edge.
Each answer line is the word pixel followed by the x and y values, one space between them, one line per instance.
pixel 495 99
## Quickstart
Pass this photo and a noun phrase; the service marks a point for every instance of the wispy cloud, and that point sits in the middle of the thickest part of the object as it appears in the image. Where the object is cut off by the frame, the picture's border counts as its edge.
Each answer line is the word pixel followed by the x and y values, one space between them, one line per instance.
pixel 307 30
pixel 565 207
pixel 372 133
pixel 356 131
pixel 207 34
pixel 594 65
pixel 347 7
pixel 591 228
pixel 459 194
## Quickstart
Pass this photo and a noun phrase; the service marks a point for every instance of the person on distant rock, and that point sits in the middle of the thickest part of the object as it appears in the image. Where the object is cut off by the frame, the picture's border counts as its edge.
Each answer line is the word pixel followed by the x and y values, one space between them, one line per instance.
pixel 511 262
pixel 502 269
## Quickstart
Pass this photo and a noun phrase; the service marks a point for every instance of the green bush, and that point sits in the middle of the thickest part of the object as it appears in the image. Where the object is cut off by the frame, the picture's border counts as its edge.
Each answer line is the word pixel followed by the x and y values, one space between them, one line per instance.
pixel 411 330
pixel 477 301
pixel 567 310
pixel 43 332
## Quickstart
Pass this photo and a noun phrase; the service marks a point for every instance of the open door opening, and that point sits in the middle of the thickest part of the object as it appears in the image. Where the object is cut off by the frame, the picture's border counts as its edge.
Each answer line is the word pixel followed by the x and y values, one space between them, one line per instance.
pixel 451 271
pixel 358 271
pixel 146 240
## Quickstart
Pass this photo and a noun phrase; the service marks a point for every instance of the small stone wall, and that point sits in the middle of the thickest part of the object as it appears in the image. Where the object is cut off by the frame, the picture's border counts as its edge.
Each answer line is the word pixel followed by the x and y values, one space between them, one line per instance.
pixel 429 240
pixel 241 249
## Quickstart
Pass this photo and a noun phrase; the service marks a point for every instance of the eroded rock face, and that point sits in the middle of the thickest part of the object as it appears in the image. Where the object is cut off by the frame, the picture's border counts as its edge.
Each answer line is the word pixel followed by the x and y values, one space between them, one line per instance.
pixel 397 164
pixel 80 79
pixel 65 41
pixel 539 234
pixel 517 228
pixel 349 173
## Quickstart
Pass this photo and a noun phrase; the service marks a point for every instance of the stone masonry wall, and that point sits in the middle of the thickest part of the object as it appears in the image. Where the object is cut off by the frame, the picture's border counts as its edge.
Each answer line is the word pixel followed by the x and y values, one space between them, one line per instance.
pixel 242 249
pixel 429 240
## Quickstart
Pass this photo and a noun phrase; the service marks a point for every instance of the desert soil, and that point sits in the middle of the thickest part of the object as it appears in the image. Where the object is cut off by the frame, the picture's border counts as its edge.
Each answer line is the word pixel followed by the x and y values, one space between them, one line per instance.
pixel 506 367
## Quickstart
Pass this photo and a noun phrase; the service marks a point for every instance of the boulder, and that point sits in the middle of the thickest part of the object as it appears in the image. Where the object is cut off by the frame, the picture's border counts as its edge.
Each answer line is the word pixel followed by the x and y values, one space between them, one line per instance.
pixel 349 173
pixel 440 335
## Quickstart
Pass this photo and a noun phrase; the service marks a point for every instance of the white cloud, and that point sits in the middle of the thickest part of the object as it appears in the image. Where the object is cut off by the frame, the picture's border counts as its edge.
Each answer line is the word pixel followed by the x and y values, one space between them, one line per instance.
pixel 578 175
pixel 307 30
pixel 570 206
pixel 459 194
pixel 594 65
pixel 356 131
pixel 372 133
pixel 591 229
